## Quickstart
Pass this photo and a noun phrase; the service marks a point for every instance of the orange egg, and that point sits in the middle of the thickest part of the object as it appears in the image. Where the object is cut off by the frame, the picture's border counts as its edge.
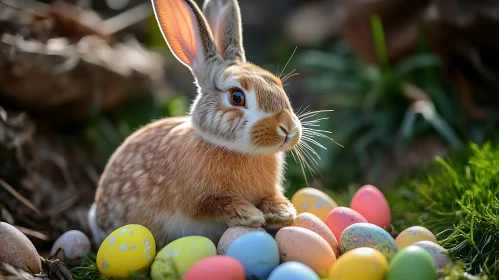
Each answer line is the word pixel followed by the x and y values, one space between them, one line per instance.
pixel 313 223
pixel 371 203
pixel 305 246
pixel 216 267
pixel 340 218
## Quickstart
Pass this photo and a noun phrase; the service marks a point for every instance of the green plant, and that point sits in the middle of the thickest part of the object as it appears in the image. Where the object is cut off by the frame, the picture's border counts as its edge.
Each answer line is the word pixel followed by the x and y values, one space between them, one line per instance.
pixel 377 106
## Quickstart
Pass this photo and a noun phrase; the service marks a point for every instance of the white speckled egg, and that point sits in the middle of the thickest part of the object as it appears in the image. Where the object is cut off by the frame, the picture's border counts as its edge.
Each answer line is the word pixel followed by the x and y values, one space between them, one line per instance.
pixel 232 234
pixel 437 252
pixel 74 243
pixel 128 249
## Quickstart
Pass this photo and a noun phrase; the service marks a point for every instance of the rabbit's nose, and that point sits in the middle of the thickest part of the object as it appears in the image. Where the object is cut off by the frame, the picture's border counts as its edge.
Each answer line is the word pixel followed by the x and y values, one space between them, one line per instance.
pixel 287 125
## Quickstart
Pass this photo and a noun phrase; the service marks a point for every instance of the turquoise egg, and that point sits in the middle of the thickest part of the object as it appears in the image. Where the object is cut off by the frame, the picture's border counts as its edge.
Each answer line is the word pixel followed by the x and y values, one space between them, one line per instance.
pixel 368 235
pixel 257 251
pixel 293 271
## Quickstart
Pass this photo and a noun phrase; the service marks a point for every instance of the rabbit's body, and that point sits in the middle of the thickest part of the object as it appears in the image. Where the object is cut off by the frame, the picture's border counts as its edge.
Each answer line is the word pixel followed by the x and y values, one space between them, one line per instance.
pixel 220 166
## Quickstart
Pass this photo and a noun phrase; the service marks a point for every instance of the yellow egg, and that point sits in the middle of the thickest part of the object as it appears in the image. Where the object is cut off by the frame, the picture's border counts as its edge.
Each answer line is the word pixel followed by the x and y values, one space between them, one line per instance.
pixel 313 201
pixel 176 258
pixel 127 249
pixel 412 235
pixel 360 263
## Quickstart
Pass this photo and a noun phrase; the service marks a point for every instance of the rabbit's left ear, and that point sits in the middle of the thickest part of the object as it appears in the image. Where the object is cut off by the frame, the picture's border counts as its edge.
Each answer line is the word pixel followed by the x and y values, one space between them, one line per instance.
pixel 224 18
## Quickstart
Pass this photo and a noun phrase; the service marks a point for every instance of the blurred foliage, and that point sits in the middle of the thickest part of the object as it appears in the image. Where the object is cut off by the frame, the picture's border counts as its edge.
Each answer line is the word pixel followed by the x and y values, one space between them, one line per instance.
pixel 378 108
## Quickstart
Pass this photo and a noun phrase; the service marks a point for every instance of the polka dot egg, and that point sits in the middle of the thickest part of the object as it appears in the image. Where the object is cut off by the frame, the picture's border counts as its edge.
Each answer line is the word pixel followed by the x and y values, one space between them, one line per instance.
pixel 127 249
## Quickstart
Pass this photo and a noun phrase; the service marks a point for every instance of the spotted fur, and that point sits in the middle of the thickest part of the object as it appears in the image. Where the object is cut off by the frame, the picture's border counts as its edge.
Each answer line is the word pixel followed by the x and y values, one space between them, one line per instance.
pixel 220 166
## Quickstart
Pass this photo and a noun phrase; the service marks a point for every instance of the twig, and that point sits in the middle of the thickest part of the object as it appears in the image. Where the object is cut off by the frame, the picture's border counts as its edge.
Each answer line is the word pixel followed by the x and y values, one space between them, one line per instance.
pixel 33 233
pixel 14 193
pixel 125 19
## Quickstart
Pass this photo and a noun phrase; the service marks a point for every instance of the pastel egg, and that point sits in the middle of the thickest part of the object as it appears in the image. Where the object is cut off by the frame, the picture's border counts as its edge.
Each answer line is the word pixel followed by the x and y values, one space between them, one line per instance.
pixel 130 248
pixel 231 234
pixel 17 250
pixel 340 218
pixel 368 235
pixel 313 223
pixel 438 254
pixel 412 235
pixel 370 202
pixel 305 246
pixel 257 252
pixel 74 243
pixel 176 258
pixel 412 263
pixel 216 267
pixel 360 263
pixel 313 201
pixel 293 271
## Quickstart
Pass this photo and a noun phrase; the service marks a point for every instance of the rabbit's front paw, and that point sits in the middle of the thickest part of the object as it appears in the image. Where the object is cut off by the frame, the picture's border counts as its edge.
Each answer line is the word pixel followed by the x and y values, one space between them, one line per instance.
pixel 278 212
pixel 250 217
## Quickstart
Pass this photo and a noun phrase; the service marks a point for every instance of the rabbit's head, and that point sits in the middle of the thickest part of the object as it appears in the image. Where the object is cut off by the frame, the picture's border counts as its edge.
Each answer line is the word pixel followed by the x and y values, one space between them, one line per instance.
pixel 239 106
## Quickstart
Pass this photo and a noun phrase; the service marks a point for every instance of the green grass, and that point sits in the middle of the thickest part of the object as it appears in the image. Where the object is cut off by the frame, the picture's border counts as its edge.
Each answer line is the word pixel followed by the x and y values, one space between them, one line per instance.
pixel 458 200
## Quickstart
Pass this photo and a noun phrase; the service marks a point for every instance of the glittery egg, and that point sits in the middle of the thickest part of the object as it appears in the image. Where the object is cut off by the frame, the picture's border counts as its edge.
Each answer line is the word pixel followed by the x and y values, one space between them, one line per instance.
pixel 17 250
pixel 370 202
pixel 340 218
pixel 313 201
pixel 368 235
pixel 176 258
pixel 232 234
pixel 360 263
pixel 313 223
pixel 437 252
pixel 129 248
pixel 412 235
pixel 74 243
pixel 305 246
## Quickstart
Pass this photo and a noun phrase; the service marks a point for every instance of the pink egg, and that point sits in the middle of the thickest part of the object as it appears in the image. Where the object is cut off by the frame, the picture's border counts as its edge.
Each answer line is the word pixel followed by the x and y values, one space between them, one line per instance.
pixel 340 218
pixel 216 267
pixel 313 223
pixel 371 203
pixel 231 234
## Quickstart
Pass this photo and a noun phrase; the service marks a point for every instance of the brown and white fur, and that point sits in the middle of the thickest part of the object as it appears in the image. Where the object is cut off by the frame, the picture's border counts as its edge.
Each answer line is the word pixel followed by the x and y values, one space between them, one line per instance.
pixel 220 166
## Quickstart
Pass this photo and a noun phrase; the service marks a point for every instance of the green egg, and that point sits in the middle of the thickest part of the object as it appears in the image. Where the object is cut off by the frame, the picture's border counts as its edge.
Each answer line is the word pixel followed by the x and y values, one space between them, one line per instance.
pixel 176 258
pixel 412 263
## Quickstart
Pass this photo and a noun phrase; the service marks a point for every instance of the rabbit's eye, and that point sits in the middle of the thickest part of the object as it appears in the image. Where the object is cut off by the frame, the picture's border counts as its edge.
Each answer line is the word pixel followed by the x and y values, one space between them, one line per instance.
pixel 237 98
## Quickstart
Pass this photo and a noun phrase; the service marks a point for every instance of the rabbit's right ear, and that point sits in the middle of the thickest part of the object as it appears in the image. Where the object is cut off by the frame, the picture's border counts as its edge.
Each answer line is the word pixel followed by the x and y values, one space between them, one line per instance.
pixel 186 32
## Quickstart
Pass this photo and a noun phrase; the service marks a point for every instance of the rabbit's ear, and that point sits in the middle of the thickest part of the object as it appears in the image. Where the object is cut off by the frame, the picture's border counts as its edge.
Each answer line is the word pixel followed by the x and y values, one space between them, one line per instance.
pixel 224 18
pixel 186 32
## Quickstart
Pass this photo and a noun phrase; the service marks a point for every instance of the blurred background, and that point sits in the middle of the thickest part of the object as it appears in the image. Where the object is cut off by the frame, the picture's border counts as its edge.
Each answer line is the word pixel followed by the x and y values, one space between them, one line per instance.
pixel 407 80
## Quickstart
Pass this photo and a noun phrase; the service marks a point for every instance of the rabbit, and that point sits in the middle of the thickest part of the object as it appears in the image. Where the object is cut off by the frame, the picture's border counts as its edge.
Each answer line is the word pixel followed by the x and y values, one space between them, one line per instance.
pixel 221 165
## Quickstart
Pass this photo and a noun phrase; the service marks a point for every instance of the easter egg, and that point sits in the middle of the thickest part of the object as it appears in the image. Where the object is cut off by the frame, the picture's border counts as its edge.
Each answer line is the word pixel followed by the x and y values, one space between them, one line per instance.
pixel 216 267
pixel 293 271
pixel 17 250
pixel 176 258
pixel 368 235
pixel 340 218
pixel 231 234
pixel 257 252
pixel 129 248
pixel 360 263
pixel 372 205
pixel 313 223
pixel 412 263
pixel 305 246
pixel 412 235
pixel 74 243
pixel 313 201
pixel 437 253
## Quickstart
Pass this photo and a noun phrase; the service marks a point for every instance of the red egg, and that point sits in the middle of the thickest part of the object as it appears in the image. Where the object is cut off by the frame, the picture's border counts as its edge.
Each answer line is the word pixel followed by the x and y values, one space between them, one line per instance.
pixel 371 203
pixel 340 218
pixel 216 267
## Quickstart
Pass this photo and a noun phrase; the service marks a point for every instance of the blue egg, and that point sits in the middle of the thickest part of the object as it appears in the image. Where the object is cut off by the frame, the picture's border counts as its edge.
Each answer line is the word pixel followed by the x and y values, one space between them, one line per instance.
pixel 293 270
pixel 257 251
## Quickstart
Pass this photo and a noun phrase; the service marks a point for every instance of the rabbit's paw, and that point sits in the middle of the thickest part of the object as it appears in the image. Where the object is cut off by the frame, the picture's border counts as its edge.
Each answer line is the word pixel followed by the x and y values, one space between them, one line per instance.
pixel 278 212
pixel 249 216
